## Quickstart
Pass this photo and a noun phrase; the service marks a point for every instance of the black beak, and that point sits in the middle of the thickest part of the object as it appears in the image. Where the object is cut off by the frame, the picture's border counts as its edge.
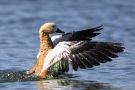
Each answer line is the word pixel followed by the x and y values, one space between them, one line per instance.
pixel 59 31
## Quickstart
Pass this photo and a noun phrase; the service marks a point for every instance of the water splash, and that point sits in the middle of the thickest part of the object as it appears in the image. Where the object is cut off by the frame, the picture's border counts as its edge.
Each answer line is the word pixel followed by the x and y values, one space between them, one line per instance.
pixel 21 76
pixel 16 76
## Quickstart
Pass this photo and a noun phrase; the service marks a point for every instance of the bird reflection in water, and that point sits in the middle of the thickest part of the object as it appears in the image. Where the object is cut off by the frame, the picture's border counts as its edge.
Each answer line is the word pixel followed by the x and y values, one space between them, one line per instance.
pixel 65 84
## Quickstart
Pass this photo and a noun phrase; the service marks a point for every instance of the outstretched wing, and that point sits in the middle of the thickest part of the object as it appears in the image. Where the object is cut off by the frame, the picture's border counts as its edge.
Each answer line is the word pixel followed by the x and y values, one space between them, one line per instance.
pixel 86 34
pixel 91 54
pixel 80 35
pixel 83 53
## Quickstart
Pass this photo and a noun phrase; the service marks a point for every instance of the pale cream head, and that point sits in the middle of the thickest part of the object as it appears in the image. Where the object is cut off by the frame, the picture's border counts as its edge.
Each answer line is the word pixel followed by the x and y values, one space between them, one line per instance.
pixel 48 28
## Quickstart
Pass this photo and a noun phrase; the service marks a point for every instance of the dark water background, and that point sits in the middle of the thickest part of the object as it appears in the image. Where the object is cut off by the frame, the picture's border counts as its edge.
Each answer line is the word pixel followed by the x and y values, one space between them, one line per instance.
pixel 20 21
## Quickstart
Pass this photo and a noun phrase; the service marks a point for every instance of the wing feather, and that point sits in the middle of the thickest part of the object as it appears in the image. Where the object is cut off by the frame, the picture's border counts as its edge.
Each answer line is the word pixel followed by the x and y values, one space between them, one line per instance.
pixel 74 65
pixel 83 53
pixel 86 34
pixel 91 59
pixel 85 60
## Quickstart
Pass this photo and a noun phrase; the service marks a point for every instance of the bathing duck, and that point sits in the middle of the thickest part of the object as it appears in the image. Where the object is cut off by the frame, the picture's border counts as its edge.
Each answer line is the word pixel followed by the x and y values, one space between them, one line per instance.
pixel 75 47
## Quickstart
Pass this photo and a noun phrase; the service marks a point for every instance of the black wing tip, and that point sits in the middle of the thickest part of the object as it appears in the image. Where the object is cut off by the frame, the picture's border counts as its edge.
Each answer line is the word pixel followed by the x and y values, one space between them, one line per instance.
pixel 97 33
pixel 121 47
pixel 118 43
pixel 98 28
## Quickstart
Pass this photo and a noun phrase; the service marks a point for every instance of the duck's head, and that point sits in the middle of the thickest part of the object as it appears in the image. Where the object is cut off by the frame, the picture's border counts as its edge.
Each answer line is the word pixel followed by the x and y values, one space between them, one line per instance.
pixel 49 28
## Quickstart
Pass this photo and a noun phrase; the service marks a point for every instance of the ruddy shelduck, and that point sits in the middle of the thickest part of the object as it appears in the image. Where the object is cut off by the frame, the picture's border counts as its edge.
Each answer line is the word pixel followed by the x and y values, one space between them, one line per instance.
pixel 75 47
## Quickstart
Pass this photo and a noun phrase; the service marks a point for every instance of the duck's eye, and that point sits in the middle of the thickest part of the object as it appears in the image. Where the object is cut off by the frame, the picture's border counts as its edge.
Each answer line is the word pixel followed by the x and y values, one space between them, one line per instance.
pixel 53 26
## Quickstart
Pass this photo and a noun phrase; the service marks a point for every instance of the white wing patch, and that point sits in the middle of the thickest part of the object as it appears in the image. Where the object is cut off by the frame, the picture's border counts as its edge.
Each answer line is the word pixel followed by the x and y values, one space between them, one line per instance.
pixel 59 38
pixel 61 51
